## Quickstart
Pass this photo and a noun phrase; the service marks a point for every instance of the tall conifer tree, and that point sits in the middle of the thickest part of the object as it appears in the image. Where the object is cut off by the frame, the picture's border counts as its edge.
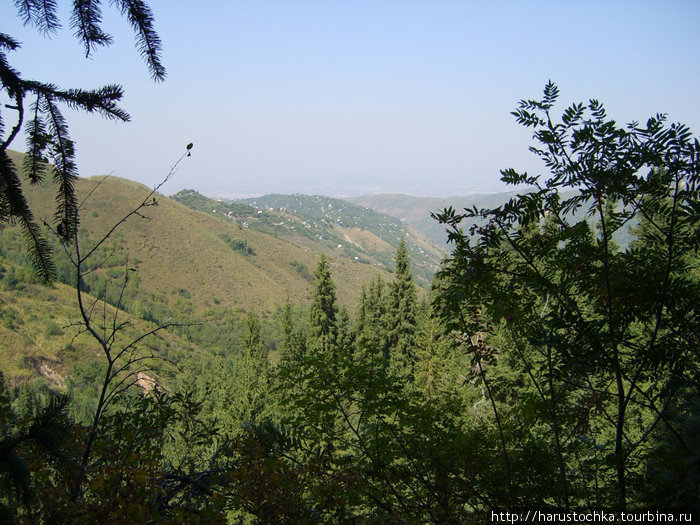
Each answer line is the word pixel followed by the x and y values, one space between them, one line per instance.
pixel 345 338
pixel 293 337
pixel 372 321
pixel 323 329
pixel 250 375
pixel 361 312
pixel 402 335
pixel 254 345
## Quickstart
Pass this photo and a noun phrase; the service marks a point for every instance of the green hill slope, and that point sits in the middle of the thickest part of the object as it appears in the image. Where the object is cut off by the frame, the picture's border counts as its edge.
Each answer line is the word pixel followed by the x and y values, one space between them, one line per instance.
pixel 41 340
pixel 208 267
pixel 190 260
pixel 353 231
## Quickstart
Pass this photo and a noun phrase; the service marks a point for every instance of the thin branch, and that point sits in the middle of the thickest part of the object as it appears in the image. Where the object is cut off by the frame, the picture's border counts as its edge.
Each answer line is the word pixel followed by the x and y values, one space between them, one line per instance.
pixel 145 203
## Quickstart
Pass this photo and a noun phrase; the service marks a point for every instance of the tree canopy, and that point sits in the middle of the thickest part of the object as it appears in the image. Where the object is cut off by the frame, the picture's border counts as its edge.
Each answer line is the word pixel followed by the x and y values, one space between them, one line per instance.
pixel 604 333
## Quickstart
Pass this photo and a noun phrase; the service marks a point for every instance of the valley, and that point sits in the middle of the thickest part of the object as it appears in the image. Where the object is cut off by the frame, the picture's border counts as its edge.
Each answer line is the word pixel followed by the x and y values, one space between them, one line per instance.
pixel 191 260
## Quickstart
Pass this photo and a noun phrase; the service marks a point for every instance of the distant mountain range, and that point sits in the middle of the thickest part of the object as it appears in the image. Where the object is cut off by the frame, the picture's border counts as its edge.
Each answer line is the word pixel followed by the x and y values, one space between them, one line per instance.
pixel 416 211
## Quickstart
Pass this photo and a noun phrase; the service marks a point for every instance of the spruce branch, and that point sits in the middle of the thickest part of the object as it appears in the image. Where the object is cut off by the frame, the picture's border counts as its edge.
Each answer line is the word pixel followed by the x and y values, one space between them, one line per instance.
pixel 37 142
pixel 147 40
pixel 65 171
pixel 40 14
pixel 14 206
pixel 86 19
pixel 9 43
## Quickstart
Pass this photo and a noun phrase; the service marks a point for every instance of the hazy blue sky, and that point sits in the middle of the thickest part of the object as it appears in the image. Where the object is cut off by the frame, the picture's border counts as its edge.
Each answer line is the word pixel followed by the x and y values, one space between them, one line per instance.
pixel 352 97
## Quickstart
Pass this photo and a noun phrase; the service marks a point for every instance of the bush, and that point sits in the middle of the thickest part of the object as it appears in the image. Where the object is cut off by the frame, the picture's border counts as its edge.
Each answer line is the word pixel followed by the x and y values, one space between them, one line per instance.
pixel 51 328
pixel 238 245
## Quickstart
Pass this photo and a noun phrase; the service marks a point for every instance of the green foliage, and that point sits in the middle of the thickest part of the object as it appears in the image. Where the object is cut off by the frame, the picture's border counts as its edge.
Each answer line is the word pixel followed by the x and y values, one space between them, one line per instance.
pixel 238 245
pixel 293 337
pixel 372 321
pixel 434 369
pixel 555 367
pixel 402 321
pixel 601 338
pixel 51 328
pixel 377 449
pixel 303 270
pixel 322 323
pixel 32 454
pixel 128 478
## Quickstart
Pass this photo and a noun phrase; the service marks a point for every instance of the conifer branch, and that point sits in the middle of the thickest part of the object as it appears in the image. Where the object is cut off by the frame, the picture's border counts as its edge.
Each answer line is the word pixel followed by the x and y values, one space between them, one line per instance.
pixel 48 131
pixel 39 13
pixel 13 205
pixel 34 164
pixel 147 40
pixel 65 172
pixel 7 42
pixel 86 19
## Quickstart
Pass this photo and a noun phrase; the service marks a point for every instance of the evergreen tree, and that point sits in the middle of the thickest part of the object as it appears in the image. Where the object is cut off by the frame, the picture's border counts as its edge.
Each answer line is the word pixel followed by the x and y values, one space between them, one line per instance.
pixel 402 314
pixel 372 333
pixel 293 338
pixel 323 322
pixel 254 345
pixel 249 383
pixel 432 372
pixel 345 339
pixel 287 332
pixel 361 312
pixel 33 433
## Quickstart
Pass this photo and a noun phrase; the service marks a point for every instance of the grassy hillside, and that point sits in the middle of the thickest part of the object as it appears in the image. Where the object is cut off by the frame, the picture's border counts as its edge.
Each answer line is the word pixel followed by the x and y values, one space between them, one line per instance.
pixel 203 267
pixel 41 340
pixel 179 265
pixel 181 254
pixel 187 259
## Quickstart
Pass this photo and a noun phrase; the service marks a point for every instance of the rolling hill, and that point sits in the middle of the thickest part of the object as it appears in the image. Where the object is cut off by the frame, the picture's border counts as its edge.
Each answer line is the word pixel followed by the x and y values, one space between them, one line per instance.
pixel 181 253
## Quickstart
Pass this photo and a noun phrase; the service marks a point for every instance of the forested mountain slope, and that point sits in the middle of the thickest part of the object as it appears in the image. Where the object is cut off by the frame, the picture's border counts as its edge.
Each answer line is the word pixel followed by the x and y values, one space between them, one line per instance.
pixel 552 368
pixel 192 268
